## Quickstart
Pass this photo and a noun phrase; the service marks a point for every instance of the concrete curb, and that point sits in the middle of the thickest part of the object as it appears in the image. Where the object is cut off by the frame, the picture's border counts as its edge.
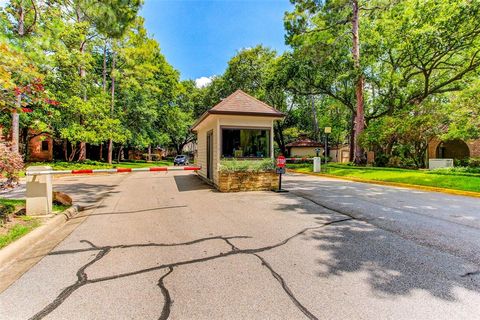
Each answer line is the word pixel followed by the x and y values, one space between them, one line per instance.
pixel 394 184
pixel 13 251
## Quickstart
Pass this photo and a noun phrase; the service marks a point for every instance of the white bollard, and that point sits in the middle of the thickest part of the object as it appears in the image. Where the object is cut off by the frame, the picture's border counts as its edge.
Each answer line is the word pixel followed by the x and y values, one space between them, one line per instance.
pixel 39 191
pixel 317 163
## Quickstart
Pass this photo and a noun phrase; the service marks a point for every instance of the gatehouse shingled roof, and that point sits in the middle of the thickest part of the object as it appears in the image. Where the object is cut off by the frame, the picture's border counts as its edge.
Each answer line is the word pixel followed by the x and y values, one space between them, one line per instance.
pixel 241 104
pixel 304 142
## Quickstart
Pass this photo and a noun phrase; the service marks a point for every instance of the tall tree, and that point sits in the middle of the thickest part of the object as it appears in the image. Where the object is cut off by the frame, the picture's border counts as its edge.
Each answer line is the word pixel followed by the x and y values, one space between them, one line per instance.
pixel 22 16
pixel 410 50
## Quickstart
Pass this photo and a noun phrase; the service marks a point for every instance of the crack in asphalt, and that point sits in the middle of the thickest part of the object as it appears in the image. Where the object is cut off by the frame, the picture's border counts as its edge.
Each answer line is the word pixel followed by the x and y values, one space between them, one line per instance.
pixel 166 296
pixel 83 278
pixel 287 290
pixel 469 274
pixel 150 244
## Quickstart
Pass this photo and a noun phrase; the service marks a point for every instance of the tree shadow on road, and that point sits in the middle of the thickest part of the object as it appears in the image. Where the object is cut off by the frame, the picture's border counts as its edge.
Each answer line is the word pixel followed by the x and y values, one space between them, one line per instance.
pixel 394 266
pixel 87 194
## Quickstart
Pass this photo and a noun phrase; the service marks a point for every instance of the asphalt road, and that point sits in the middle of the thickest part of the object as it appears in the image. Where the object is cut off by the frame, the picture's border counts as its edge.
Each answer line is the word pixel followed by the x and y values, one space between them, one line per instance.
pixel 161 246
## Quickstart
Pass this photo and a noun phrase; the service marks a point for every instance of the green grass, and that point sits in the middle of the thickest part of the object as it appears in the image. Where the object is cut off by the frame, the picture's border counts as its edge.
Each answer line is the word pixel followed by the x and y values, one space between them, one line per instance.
pixel 414 177
pixel 20 204
pixel 18 231
pixel 14 202
pixel 58 208
pixel 62 165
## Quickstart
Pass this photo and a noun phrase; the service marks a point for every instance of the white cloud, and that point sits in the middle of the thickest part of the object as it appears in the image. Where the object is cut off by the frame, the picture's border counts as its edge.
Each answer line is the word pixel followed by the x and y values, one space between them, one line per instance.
pixel 203 81
pixel 3 3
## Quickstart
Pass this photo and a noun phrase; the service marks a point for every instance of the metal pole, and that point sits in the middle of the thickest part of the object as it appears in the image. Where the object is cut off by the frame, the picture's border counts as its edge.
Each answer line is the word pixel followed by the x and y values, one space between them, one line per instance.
pixel 326 147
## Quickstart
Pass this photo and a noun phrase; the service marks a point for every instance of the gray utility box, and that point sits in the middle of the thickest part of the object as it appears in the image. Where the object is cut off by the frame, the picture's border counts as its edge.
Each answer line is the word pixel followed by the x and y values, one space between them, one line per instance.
pixel 440 163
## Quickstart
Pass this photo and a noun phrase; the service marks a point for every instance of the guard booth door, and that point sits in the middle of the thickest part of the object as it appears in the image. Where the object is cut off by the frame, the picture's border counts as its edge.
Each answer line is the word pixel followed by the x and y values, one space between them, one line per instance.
pixel 209 155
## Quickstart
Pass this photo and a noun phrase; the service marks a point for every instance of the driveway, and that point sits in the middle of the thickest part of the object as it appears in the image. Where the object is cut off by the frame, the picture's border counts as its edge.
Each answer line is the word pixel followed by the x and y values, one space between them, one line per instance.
pixel 161 246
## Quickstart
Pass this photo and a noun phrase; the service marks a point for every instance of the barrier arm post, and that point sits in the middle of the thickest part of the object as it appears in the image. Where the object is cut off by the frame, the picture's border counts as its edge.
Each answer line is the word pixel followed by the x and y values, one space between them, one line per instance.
pixel 39 191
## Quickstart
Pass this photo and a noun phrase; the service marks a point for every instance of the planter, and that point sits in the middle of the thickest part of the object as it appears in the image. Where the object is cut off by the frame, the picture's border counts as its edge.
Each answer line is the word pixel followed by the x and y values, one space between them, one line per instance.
pixel 247 181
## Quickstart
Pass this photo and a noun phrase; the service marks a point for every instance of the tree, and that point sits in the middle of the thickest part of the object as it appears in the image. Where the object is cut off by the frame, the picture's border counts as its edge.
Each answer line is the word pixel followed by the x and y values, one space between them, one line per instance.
pixel 463 114
pixel 411 51
pixel 147 86
pixel 21 18
pixel 404 136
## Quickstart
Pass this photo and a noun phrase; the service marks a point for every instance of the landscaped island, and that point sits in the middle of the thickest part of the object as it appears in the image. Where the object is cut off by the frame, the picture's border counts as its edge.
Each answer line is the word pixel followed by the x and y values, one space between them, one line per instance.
pixel 456 179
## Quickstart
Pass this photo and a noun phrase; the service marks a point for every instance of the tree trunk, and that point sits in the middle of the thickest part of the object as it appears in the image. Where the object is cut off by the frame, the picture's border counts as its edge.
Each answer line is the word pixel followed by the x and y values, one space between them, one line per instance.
pixel 65 149
pixel 82 155
pixel 359 154
pixel 100 152
pixel 82 151
pixel 15 115
pixel 104 71
pixel 352 138
pixel 278 132
pixel 112 105
pixel 149 156
pixel 315 119
pixel 74 152
pixel 16 128
pixel 120 154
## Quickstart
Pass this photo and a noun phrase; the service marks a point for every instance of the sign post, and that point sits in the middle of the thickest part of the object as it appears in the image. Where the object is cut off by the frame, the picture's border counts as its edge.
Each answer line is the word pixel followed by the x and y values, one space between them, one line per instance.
pixel 281 161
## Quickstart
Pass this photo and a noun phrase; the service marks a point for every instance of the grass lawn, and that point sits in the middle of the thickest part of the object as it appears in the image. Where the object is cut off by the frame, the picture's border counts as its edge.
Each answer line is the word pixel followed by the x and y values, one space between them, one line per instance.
pixel 17 230
pixel 62 165
pixel 413 177
pixel 20 225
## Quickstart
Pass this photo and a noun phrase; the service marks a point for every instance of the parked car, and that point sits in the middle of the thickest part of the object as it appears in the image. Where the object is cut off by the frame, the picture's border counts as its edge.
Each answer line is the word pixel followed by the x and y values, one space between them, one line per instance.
pixel 180 160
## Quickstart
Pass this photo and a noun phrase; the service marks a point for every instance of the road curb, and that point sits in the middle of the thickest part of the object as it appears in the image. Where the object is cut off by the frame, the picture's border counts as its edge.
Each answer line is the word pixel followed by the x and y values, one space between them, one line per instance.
pixel 395 184
pixel 13 251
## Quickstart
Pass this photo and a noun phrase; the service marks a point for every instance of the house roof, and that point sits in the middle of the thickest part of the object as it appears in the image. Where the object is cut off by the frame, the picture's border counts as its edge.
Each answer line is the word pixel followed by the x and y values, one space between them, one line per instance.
pixel 241 104
pixel 304 142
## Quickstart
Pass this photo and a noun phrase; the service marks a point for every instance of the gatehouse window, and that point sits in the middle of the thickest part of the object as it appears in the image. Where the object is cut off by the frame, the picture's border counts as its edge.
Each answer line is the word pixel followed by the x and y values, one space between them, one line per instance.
pixel 245 143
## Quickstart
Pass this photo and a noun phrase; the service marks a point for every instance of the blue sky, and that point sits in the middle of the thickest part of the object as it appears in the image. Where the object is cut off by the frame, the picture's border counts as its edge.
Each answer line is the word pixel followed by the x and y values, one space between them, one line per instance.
pixel 198 37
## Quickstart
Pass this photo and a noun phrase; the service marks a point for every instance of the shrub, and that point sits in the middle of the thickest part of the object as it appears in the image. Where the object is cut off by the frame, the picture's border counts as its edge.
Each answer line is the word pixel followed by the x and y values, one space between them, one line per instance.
pixel 467 171
pixel 394 161
pixel 10 165
pixel 153 157
pixel 5 211
pixel 474 162
pixel 461 162
pixel 235 165
pixel 381 160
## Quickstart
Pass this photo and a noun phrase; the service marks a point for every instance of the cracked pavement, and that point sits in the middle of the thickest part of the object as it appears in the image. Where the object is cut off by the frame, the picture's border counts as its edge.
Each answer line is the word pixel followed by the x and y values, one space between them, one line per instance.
pixel 166 246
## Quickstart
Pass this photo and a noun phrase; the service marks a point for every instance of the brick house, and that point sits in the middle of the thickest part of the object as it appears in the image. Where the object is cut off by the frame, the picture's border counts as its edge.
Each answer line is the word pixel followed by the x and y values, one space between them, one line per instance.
pixel 454 149
pixel 39 146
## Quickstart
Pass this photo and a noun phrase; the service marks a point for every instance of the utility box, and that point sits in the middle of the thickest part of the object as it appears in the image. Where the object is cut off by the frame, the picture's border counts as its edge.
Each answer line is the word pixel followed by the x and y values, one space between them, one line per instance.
pixel 39 191
pixel 317 163
pixel 440 163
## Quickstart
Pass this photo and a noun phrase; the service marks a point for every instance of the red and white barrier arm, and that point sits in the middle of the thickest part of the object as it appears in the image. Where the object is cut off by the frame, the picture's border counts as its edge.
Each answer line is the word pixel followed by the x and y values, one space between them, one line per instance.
pixel 299 159
pixel 117 170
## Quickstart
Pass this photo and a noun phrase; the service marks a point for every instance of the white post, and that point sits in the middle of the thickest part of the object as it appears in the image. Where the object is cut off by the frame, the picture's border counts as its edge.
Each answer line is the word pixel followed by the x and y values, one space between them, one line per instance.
pixel 39 191
pixel 317 164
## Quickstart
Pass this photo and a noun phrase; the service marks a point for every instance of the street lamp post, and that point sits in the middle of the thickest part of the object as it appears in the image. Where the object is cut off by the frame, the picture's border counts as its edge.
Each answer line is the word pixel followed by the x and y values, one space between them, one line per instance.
pixel 327 131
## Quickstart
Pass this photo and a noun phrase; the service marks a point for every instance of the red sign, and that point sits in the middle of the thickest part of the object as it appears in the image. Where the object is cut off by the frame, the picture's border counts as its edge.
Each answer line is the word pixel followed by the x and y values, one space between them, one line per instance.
pixel 281 161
